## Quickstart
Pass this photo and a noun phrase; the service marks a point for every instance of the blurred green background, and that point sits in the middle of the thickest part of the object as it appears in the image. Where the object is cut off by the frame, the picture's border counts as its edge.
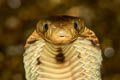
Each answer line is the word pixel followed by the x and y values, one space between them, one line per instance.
pixel 18 19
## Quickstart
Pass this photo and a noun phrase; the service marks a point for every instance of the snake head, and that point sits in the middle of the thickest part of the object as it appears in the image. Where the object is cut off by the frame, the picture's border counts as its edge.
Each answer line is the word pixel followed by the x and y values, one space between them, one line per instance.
pixel 60 30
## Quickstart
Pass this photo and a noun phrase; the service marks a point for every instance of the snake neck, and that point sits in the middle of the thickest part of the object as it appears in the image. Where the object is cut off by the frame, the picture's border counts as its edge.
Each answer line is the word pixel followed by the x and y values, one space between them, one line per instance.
pixel 58 51
pixel 76 61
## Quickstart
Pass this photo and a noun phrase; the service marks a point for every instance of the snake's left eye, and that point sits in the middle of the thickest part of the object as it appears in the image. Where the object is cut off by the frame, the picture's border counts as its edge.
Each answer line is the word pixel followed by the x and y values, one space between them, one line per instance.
pixel 75 25
pixel 46 27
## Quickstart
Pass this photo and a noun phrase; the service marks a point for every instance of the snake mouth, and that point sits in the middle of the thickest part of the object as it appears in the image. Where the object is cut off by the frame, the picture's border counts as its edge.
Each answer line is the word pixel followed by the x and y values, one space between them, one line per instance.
pixel 61 36
pixel 60 43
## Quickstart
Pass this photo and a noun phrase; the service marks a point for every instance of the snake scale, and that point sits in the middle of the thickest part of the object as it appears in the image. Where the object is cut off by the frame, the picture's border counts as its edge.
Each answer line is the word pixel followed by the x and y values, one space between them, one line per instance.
pixel 62 48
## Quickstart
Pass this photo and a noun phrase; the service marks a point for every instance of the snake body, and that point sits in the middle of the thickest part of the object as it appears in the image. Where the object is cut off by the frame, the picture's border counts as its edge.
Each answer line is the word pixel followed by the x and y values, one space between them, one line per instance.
pixel 65 54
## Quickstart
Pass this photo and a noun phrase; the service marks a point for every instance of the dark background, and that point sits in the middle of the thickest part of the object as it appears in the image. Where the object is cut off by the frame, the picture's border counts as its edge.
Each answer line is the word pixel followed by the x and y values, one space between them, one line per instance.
pixel 18 19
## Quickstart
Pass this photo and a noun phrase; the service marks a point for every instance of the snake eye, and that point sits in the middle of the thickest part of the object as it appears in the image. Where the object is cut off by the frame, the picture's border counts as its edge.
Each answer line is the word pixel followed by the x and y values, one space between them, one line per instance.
pixel 46 26
pixel 75 25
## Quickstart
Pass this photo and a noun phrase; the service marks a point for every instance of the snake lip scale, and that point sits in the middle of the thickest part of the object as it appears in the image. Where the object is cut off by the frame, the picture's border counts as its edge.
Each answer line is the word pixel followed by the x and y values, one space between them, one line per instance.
pixel 62 48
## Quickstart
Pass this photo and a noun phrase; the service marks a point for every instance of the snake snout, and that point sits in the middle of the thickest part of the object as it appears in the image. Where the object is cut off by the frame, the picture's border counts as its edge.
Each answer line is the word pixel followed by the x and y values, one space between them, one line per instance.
pixel 62 34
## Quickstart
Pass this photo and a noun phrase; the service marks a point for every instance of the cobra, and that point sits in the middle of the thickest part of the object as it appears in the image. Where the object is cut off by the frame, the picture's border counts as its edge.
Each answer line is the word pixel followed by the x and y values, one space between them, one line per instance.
pixel 62 48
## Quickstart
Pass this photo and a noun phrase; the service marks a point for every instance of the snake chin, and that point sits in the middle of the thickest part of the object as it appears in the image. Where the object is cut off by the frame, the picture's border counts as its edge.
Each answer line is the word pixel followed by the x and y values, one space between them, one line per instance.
pixel 60 42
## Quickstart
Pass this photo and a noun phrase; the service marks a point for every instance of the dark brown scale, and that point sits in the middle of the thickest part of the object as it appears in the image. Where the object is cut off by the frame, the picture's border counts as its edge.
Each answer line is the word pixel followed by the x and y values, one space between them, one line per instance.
pixel 93 36
pixel 32 41
pixel 59 50
pixel 83 36
pixel 94 43
pixel 90 33
pixel 38 61
pixel 60 56
pixel 79 55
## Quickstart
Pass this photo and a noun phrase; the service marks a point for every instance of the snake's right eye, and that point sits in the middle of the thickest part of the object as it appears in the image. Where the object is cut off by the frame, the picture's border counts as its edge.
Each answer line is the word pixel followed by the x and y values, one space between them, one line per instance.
pixel 75 25
pixel 46 27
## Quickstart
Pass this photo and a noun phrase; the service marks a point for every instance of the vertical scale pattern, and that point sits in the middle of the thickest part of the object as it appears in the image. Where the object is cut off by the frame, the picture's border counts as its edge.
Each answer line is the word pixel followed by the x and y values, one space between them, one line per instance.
pixel 82 61
pixel 30 60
